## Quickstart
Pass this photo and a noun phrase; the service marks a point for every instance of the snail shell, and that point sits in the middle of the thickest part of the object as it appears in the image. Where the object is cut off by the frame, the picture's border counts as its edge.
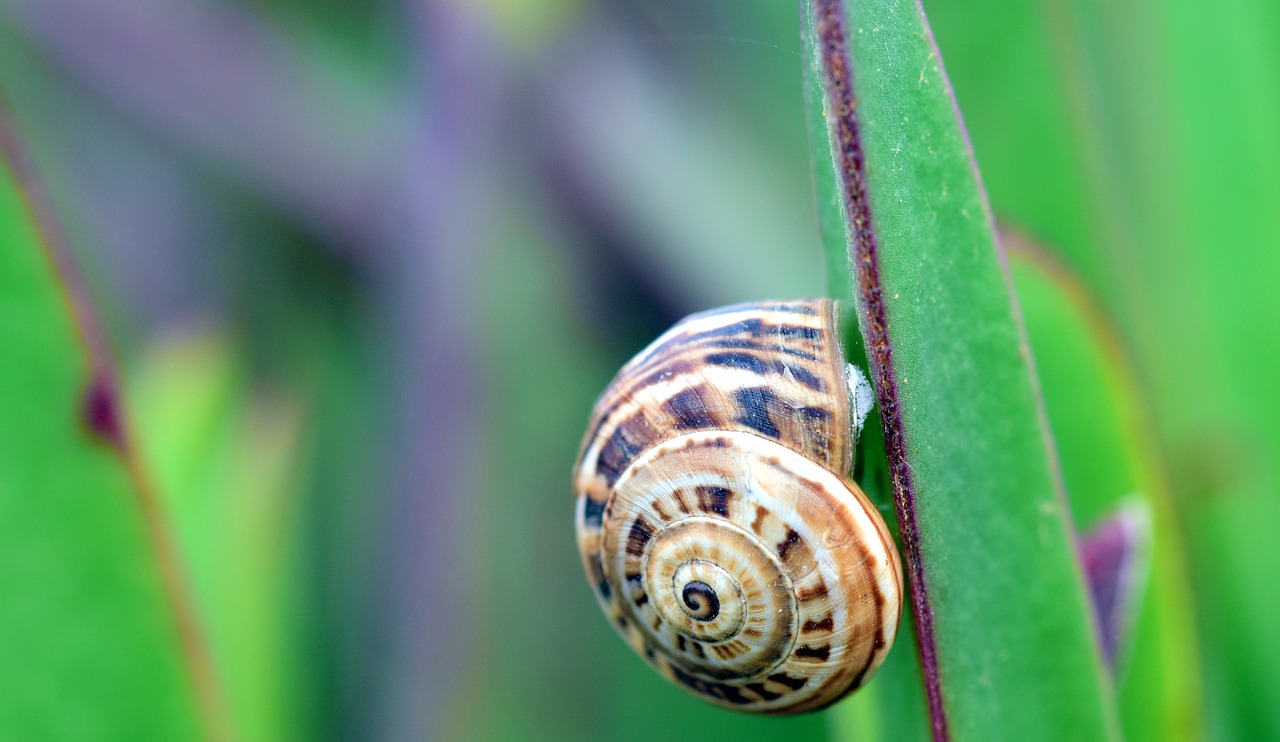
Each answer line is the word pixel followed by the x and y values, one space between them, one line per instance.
pixel 717 523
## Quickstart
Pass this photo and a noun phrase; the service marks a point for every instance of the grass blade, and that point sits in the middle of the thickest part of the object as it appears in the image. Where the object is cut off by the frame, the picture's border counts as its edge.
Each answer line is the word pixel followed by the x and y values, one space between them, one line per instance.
pixel 1109 463
pixel 999 601
pixel 96 628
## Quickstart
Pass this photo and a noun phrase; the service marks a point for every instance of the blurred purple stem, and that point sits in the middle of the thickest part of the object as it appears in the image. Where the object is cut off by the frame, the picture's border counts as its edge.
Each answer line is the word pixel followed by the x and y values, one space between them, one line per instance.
pixel 448 201
pixel 212 79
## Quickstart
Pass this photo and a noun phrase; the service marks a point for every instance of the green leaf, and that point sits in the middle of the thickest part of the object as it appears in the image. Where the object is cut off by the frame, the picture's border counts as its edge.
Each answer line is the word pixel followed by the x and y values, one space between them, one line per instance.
pixel 1108 459
pixel 228 459
pixel 1177 119
pixel 1004 627
pixel 97 639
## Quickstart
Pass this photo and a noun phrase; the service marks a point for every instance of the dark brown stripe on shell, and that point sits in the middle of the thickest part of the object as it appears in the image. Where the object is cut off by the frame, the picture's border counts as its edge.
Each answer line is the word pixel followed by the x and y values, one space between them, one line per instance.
pixel 740 344
pixel 672 369
pixel 826 624
pixel 734 343
pixel 602 416
pixel 725 651
pixel 764 693
pixel 817 591
pixel 787 680
pixel 800 331
pixel 758 523
pixel 614 457
pixel 744 361
pixel 638 538
pixel 802 375
pixel 792 540
pixel 755 404
pixel 688 410
pixel 794 309
pixel 815 653
pixel 632 436
pixel 593 511
pixel 713 499
pixel 595 566
pixel 753 327
pixel 722 691
pixel 756 327
pixel 680 503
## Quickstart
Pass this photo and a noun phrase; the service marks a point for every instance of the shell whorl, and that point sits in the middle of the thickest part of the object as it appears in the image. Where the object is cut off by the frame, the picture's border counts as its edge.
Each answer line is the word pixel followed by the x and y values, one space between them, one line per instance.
pixel 716 521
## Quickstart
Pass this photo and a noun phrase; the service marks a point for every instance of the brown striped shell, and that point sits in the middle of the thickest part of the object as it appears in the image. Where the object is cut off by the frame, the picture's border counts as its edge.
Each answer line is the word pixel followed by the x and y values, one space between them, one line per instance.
pixel 717 522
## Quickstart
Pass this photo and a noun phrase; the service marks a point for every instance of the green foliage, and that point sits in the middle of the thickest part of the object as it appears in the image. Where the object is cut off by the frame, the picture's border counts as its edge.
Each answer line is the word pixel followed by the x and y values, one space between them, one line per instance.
pixel 228 460
pixel 242 168
pixel 1142 127
pixel 1108 461
pixel 1178 141
pixel 998 595
pixel 88 629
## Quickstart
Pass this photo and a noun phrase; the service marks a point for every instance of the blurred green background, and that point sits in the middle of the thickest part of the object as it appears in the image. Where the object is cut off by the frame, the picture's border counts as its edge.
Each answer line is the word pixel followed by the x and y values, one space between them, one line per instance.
pixel 366 266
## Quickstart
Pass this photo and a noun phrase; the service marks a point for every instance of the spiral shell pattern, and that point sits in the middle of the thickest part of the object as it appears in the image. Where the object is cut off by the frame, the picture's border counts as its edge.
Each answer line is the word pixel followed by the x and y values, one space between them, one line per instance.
pixel 716 521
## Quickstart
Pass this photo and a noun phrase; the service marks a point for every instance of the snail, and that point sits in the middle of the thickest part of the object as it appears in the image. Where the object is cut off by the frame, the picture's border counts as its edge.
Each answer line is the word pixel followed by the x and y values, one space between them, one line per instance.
pixel 716 518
